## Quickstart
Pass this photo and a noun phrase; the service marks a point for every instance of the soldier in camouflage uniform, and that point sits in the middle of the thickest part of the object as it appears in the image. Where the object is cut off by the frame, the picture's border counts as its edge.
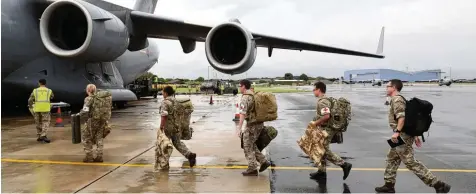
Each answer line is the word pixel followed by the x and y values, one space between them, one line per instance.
pixel 250 134
pixel 404 152
pixel 93 130
pixel 322 115
pixel 42 117
pixel 169 125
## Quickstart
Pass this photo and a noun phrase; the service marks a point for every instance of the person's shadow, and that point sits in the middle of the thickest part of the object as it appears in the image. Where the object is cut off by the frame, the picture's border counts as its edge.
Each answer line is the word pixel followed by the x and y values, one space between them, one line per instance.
pixel 322 186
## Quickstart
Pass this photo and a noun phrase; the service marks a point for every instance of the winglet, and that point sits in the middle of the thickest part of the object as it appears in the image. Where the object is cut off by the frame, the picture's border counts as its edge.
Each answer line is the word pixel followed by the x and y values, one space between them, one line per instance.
pixel 380 42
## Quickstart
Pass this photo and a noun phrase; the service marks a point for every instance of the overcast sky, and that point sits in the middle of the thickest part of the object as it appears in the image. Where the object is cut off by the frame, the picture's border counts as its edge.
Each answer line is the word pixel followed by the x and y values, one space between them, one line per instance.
pixel 419 34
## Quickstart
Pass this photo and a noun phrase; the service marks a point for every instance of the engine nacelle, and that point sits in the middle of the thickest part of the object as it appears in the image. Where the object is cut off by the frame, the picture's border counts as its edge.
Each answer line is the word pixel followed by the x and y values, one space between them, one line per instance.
pixel 230 48
pixel 80 30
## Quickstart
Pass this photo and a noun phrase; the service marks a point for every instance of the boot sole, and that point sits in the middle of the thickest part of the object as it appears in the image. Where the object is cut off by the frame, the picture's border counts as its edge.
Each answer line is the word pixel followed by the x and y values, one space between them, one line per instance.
pixel 348 172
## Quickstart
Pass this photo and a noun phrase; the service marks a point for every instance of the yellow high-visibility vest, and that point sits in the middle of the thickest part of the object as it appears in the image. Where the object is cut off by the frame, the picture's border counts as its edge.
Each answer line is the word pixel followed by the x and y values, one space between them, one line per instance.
pixel 42 99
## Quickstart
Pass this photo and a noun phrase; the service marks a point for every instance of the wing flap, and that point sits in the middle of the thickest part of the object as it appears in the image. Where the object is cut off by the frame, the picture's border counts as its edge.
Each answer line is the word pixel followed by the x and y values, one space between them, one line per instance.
pixel 275 42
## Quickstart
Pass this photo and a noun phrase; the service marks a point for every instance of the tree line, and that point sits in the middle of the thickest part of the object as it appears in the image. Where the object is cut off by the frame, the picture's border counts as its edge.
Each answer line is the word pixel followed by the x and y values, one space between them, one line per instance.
pixel 287 76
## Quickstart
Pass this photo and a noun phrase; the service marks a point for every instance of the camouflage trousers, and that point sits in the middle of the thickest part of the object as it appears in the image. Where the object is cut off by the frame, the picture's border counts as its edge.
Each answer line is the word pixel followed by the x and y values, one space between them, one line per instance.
pixel 42 120
pixel 92 134
pixel 405 153
pixel 329 155
pixel 175 137
pixel 163 151
pixel 252 153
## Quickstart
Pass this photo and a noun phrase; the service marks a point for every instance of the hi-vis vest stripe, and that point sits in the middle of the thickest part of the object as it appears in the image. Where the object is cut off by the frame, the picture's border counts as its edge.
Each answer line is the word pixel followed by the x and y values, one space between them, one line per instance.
pixel 42 99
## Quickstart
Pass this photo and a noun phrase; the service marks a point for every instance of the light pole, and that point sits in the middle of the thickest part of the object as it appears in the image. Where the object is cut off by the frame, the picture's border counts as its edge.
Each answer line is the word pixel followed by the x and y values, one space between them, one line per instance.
pixel 208 73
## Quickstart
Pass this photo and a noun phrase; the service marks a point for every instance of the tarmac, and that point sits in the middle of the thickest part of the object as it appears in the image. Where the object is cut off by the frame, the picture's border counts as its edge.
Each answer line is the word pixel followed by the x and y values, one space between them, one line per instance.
pixel 449 150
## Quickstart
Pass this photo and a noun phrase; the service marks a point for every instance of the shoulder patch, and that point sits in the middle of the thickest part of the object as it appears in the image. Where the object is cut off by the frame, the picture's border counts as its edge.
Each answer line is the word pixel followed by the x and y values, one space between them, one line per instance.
pixel 325 111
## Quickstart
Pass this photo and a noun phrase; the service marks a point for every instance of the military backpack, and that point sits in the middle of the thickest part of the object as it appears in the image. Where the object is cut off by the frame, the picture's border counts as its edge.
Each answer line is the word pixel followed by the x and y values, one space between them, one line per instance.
pixel 417 117
pixel 340 114
pixel 264 107
pixel 184 110
pixel 101 105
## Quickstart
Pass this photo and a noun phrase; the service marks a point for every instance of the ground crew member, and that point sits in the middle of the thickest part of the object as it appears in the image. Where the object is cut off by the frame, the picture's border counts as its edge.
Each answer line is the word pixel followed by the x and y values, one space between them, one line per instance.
pixel 323 113
pixel 169 124
pixel 251 133
pixel 395 156
pixel 39 101
pixel 93 131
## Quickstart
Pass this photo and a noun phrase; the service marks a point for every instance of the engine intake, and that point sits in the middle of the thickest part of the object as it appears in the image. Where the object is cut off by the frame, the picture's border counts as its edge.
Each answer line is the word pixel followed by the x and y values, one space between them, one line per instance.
pixel 230 48
pixel 79 30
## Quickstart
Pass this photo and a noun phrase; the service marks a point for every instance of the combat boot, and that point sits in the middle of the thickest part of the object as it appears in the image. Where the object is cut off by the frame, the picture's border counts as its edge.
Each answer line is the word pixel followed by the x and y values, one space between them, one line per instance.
pixel 387 188
pixel 346 167
pixel 264 166
pixel 98 159
pixel 318 174
pixel 44 139
pixel 192 159
pixel 442 187
pixel 88 158
pixel 250 172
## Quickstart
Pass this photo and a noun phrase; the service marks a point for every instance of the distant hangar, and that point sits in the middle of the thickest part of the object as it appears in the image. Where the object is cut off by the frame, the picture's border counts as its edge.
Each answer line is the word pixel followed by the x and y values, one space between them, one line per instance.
pixel 364 75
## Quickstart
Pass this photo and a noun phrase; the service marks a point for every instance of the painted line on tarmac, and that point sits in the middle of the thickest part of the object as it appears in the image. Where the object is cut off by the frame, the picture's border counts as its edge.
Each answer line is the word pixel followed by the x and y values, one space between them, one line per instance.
pixel 219 167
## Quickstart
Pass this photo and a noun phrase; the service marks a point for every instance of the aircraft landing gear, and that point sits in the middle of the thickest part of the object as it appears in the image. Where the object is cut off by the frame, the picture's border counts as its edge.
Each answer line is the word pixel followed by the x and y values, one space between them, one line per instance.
pixel 120 104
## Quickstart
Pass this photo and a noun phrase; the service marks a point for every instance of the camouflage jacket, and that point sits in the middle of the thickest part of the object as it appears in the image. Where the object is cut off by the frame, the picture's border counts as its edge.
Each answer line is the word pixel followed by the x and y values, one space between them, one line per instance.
pixel 396 111
pixel 323 108
pixel 247 105
pixel 86 107
pixel 166 109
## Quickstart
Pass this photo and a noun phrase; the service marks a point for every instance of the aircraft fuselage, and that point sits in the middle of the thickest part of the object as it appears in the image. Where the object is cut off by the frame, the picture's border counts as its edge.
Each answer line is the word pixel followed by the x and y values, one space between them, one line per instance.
pixel 25 60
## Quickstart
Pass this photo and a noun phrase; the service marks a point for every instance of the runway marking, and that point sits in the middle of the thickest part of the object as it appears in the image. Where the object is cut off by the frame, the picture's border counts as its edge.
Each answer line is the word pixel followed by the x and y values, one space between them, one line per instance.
pixel 219 167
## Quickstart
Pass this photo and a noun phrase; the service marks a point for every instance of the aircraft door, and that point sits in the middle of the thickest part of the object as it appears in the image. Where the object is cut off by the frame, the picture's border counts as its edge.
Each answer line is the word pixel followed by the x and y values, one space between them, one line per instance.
pixel 104 74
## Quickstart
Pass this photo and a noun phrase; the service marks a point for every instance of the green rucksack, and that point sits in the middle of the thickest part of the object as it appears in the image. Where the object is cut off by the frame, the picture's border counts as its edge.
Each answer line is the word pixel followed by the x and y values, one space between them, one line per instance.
pixel 340 114
pixel 184 110
pixel 101 105
pixel 265 107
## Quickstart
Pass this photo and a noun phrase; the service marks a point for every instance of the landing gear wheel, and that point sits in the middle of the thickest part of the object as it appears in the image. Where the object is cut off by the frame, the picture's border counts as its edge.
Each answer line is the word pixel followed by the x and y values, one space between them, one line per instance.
pixel 120 105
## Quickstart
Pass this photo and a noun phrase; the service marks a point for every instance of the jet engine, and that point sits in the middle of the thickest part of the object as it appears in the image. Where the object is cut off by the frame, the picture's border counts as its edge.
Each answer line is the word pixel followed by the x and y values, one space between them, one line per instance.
pixel 230 48
pixel 82 31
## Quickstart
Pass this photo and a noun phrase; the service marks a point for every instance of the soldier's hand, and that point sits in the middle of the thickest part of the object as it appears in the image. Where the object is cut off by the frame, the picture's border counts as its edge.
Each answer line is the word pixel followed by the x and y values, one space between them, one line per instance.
pixel 417 142
pixel 313 124
pixel 238 132
pixel 394 137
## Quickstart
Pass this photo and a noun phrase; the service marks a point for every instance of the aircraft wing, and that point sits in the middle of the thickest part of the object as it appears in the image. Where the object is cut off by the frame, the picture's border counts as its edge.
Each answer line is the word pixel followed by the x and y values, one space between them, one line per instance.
pixel 155 26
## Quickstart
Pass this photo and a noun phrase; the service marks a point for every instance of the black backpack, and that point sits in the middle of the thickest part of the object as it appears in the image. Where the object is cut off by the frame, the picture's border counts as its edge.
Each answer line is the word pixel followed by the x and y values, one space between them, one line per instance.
pixel 417 117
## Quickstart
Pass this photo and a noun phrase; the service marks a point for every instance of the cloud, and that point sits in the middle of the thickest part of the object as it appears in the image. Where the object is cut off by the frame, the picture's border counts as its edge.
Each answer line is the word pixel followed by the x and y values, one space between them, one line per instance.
pixel 419 34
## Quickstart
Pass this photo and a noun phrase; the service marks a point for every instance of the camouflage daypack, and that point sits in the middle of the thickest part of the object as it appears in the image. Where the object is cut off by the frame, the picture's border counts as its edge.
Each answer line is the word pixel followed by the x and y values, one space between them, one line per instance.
pixel 185 109
pixel 264 107
pixel 101 105
pixel 340 114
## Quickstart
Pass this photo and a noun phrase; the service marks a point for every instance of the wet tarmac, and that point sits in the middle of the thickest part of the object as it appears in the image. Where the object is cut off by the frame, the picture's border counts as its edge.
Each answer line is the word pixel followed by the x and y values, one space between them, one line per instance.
pixel 29 166
pixel 450 145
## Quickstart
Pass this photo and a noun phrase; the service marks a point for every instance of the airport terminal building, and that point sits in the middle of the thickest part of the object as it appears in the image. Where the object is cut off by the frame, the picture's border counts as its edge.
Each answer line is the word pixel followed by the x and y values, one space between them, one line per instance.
pixel 360 75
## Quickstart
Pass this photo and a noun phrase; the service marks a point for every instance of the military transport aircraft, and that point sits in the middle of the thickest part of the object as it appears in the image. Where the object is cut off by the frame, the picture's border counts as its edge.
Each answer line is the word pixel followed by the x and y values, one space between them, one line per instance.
pixel 71 43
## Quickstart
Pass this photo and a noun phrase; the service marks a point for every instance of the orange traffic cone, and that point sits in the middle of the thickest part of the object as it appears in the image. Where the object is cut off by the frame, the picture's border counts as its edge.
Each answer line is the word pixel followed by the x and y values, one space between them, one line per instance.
pixel 59 119
pixel 211 99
